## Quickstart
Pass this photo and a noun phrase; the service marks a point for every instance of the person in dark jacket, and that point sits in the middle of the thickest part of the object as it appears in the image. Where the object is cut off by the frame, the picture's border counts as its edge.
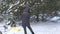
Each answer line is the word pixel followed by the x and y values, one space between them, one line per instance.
pixel 25 20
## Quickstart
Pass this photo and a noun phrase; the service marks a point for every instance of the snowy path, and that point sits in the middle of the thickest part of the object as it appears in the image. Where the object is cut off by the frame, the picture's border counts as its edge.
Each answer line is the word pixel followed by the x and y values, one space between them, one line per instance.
pixel 39 28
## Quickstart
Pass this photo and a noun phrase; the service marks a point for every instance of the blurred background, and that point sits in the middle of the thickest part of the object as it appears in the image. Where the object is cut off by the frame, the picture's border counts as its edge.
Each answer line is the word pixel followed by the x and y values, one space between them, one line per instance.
pixel 41 11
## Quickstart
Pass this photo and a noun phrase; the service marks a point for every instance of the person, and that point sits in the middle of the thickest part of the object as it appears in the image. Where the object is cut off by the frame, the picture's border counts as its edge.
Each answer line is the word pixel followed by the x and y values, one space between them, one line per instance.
pixel 25 20
pixel 11 22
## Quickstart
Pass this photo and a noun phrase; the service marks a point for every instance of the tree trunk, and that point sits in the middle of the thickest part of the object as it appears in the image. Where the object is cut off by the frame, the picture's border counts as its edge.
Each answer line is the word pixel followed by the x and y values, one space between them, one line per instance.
pixel 37 19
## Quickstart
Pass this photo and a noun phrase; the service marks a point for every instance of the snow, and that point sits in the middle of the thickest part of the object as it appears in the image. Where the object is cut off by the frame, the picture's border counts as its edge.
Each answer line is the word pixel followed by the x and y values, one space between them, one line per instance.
pixel 38 28
pixel 54 19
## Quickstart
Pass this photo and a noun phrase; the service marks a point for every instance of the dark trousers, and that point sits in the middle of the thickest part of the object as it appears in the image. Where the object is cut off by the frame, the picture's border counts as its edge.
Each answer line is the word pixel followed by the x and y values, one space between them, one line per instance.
pixel 0 32
pixel 29 29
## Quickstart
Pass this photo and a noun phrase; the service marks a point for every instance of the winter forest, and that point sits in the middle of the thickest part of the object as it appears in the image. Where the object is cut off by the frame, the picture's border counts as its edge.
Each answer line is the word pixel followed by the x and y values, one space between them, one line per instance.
pixel 44 15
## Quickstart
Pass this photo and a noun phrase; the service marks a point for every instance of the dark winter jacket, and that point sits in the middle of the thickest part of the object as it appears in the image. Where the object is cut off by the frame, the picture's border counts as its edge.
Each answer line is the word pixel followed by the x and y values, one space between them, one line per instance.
pixel 25 17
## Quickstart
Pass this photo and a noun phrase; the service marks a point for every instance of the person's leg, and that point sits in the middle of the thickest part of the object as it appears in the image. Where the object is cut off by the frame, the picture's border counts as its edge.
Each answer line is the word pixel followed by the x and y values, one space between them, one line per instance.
pixel 0 32
pixel 30 29
pixel 25 30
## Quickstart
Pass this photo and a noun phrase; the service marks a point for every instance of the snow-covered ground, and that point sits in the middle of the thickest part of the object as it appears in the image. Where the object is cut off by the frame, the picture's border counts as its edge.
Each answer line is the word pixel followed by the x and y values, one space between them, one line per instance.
pixel 38 28
pixel 55 19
